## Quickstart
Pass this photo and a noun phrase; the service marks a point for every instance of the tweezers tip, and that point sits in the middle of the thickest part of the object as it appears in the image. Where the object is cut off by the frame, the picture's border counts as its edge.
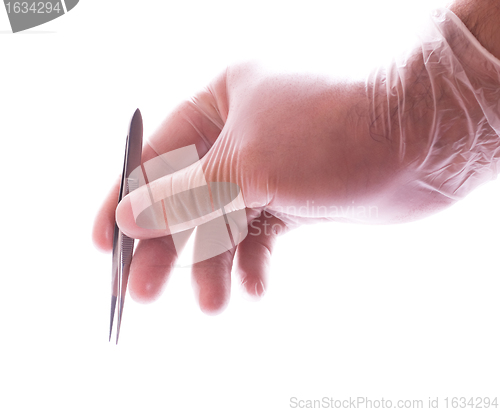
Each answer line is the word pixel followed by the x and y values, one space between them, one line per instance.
pixel 112 316
pixel 118 331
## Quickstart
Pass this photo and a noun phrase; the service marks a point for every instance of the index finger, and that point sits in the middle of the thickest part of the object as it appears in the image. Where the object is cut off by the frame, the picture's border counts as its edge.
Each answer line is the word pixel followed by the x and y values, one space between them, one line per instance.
pixel 197 121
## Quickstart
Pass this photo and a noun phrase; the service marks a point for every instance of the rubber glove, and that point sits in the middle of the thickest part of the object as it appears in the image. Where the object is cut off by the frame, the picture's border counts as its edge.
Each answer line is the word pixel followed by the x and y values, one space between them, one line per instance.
pixel 294 148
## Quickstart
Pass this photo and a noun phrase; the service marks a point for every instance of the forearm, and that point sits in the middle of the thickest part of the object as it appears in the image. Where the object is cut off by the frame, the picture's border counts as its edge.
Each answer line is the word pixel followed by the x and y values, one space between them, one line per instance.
pixel 438 106
pixel 482 18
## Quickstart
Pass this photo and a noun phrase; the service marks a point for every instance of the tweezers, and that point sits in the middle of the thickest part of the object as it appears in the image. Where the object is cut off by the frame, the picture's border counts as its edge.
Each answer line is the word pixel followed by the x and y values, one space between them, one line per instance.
pixel 123 246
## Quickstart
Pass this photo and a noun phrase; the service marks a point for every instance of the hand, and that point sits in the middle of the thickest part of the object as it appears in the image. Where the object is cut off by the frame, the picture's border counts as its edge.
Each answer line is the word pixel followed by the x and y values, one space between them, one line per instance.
pixel 305 148
pixel 282 140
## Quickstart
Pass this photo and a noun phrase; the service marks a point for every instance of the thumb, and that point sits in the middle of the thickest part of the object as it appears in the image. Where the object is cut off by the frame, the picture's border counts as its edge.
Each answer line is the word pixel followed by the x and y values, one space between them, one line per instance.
pixel 173 197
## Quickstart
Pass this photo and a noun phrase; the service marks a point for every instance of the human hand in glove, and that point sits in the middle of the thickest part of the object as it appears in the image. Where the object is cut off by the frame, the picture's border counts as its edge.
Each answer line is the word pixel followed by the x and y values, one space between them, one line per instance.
pixel 295 148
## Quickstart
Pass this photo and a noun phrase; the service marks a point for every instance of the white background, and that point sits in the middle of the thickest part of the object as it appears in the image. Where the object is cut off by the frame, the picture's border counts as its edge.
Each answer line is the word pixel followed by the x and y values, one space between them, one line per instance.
pixel 397 312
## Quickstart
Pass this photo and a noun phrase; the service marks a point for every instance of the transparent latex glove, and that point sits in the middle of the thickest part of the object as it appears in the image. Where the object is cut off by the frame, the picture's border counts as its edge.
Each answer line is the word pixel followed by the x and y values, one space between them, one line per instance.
pixel 412 139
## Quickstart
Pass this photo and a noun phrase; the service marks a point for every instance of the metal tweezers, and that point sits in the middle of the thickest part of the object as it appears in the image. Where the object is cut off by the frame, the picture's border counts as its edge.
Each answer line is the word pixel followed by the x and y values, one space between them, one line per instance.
pixel 123 246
